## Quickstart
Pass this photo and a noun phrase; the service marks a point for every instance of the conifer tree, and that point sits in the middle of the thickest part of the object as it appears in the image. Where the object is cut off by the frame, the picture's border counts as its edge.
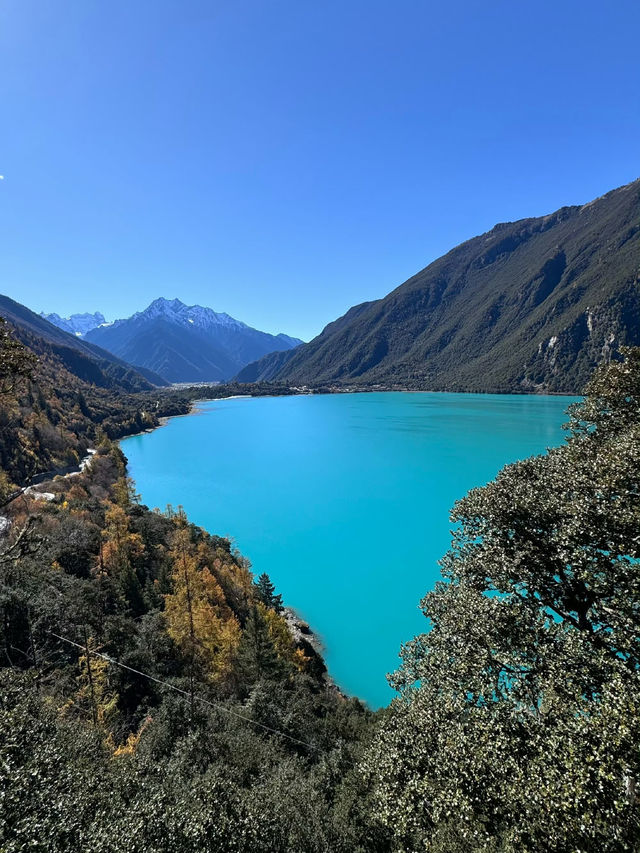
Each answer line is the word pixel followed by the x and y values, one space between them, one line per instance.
pixel 257 653
pixel 95 696
pixel 16 361
pixel 266 592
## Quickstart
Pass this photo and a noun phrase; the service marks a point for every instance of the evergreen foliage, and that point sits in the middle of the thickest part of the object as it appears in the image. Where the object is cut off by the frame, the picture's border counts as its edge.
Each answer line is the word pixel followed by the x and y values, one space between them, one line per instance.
pixel 266 592
pixel 16 361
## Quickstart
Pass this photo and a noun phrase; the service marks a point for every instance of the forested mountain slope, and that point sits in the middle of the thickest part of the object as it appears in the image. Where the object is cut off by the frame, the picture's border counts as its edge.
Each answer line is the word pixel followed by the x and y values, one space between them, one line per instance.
pixel 531 305
pixel 60 394
pixel 56 401
pixel 273 364
pixel 265 368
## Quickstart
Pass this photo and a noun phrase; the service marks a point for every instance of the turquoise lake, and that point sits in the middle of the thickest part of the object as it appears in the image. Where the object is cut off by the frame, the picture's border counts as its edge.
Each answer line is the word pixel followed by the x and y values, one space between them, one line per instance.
pixel 342 499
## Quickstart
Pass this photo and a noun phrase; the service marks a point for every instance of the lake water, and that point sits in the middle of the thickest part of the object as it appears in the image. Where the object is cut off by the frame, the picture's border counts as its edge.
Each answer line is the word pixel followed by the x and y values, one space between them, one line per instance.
pixel 342 499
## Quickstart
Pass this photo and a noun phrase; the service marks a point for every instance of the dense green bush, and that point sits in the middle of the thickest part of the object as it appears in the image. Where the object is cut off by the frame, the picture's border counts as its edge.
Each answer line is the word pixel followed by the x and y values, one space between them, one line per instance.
pixel 518 725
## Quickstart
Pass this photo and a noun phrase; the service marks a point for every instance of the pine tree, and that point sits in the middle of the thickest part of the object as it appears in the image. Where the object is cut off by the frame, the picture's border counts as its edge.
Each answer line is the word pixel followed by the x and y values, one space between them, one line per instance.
pixel 265 590
pixel 257 654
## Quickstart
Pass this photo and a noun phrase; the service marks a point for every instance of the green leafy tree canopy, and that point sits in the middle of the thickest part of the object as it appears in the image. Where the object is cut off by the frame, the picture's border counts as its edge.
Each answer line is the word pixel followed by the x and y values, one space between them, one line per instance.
pixel 517 726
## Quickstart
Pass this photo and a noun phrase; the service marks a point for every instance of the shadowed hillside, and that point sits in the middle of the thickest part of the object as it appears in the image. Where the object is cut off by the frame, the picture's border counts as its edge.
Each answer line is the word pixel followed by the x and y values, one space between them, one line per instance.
pixel 531 305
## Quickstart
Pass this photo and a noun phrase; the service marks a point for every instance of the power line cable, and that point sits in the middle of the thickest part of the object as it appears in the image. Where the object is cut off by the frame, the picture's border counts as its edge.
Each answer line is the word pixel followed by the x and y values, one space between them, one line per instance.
pixel 185 692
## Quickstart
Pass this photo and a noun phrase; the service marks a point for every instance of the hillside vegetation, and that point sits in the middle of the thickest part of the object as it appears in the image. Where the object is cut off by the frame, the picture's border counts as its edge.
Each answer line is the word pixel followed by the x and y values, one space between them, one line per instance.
pixel 153 695
pixel 85 360
pixel 532 305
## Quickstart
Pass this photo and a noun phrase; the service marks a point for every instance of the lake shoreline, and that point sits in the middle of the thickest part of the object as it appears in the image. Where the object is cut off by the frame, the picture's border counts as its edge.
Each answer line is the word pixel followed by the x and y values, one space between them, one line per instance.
pixel 333 495
pixel 311 392
pixel 304 391
pixel 301 632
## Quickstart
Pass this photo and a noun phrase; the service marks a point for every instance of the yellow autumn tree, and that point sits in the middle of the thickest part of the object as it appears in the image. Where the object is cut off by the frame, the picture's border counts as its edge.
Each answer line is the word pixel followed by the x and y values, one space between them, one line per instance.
pixel 236 574
pixel 282 639
pixel 94 695
pixel 124 492
pixel 121 547
pixel 118 555
pixel 198 617
pixel 130 746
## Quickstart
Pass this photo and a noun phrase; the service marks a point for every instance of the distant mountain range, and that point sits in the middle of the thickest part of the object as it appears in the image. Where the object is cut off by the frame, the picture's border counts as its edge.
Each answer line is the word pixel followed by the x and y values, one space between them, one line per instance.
pixel 531 305
pixel 84 360
pixel 76 324
pixel 185 343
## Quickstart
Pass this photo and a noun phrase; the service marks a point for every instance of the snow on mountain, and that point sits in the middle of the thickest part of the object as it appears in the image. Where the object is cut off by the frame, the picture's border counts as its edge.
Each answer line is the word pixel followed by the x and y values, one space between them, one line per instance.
pixel 185 343
pixel 76 324
pixel 176 311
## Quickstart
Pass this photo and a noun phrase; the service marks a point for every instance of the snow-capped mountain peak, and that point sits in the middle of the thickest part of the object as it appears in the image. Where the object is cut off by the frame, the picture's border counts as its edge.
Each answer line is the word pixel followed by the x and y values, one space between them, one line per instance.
pixel 76 324
pixel 187 343
pixel 176 311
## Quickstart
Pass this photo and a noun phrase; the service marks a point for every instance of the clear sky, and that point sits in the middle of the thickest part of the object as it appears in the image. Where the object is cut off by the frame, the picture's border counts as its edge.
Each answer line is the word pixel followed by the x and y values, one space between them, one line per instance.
pixel 282 160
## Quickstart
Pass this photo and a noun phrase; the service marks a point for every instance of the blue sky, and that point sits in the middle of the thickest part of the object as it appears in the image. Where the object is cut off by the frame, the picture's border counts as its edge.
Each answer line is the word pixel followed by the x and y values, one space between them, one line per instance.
pixel 282 160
